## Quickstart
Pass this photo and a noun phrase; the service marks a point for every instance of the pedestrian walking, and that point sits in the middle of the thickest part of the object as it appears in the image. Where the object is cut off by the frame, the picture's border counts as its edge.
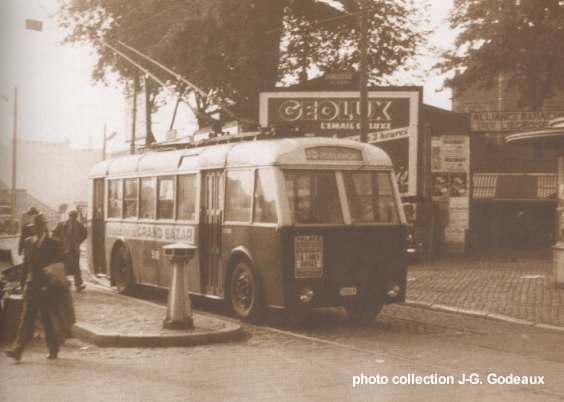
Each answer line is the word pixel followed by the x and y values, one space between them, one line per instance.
pixel 26 228
pixel 41 293
pixel 72 233
pixel 27 216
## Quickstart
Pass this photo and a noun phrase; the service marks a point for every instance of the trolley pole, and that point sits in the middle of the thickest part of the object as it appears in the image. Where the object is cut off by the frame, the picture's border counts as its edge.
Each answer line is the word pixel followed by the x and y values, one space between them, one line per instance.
pixel 363 71
pixel 14 161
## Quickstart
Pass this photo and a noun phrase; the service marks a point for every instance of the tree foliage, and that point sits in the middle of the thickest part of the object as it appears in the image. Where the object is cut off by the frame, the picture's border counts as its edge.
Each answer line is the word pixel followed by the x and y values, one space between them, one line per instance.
pixel 236 48
pixel 521 39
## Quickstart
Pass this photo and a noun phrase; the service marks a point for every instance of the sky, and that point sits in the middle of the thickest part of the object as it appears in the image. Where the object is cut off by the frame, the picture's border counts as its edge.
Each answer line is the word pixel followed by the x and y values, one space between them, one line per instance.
pixel 57 100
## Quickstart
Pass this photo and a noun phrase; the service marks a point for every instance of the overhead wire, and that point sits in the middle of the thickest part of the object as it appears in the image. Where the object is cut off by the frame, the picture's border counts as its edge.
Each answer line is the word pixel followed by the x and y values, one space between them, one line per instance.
pixel 182 79
pixel 151 75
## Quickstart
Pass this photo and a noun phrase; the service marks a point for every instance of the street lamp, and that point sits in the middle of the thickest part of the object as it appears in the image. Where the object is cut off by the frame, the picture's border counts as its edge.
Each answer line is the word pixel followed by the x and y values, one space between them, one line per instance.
pixel 34 25
pixel 14 157
pixel 106 139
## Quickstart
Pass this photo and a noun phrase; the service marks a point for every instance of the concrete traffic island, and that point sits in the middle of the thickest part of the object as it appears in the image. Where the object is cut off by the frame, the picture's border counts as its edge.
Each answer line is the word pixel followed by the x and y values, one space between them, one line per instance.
pixel 105 318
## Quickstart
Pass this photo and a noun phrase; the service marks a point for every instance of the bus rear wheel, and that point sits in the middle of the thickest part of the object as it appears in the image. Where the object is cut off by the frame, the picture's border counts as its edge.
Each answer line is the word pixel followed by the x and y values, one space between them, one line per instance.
pixel 245 293
pixel 121 269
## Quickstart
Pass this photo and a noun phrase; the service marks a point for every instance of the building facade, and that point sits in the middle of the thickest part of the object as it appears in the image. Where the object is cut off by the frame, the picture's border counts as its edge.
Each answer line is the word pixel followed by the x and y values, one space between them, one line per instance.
pixel 53 173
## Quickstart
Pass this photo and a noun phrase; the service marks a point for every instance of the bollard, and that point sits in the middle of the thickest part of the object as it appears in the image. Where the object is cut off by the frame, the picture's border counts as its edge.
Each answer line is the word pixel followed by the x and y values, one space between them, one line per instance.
pixel 179 309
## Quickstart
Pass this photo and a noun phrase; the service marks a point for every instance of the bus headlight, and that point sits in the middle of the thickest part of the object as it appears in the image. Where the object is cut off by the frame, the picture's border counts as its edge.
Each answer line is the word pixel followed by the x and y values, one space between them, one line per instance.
pixel 308 256
pixel 306 295
pixel 393 291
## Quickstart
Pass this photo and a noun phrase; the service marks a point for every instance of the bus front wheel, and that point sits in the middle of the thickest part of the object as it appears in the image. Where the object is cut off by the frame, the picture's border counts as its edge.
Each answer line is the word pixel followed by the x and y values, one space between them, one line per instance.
pixel 245 293
pixel 121 269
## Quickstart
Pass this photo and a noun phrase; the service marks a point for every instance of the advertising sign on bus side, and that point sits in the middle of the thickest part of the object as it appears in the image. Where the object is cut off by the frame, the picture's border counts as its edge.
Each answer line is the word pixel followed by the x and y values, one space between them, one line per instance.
pixel 151 231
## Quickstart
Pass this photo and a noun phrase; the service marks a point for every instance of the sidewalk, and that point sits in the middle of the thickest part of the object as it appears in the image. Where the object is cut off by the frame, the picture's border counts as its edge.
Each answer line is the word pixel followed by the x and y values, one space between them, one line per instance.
pixel 516 287
pixel 109 319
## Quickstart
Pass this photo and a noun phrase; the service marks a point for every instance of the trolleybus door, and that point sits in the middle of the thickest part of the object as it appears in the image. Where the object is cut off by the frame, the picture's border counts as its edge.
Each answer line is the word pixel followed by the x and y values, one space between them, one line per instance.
pixel 97 237
pixel 210 236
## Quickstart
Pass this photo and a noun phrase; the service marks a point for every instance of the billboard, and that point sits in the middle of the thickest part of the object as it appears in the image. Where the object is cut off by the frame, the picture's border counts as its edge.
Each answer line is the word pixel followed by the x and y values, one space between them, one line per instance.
pixel 393 121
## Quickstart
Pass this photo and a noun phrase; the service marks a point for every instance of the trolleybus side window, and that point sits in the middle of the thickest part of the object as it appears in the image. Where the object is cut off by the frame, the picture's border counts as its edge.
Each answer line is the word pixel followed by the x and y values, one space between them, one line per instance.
pixel 239 195
pixel 265 204
pixel 370 197
pixel 313 196
pixel 130 199
pixel 186 197
pixel 115 198
pixel 165 200
pixel 147 197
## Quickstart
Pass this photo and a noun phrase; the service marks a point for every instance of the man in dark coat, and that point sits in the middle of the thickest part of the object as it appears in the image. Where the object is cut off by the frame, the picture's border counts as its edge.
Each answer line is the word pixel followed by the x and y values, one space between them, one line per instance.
pixel 72 233
pixel 26 227
pixel 26 233
pixel 39 251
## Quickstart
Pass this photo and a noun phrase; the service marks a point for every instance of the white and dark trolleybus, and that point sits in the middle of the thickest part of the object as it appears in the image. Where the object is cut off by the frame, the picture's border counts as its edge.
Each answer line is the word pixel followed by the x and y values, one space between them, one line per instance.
pixel 287 223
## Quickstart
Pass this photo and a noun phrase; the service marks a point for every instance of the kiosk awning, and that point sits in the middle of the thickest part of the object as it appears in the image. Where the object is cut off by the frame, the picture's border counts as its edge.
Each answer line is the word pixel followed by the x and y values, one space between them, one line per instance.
pixel 514 187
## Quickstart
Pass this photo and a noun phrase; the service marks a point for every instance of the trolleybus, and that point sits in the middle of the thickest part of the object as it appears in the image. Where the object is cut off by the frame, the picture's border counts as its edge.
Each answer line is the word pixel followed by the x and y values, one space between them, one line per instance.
pixel 289 223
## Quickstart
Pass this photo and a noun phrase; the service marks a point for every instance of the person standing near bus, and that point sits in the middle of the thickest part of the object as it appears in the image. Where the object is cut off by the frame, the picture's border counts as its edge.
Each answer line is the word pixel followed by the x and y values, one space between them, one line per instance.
pixel 72 233
pixel 40 250
pixel 26 228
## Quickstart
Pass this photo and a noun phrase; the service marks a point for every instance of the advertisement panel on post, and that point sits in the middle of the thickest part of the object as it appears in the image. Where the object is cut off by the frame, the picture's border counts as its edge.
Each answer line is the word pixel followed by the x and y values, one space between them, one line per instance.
pixel 393 121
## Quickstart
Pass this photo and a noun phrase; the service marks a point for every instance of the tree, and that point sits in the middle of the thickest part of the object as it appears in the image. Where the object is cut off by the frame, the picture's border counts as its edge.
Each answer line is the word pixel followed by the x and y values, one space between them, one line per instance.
pixel 236 48
pixel 523 40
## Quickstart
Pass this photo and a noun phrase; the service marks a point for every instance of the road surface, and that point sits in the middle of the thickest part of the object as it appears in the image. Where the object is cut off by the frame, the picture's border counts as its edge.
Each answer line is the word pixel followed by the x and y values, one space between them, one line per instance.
pixel 319 361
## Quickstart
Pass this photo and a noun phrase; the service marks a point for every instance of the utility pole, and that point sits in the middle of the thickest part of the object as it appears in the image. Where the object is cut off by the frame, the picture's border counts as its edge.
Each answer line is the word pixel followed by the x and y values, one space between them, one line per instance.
pixel 104 144
pixel 106 139
pixel 363 70
pixel 14 160
pixel 134 114
pixel 149 137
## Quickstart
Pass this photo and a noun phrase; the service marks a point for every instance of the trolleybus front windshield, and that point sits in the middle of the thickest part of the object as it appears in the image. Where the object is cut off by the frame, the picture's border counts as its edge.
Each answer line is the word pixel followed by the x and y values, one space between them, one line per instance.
pixel 370 197
pixel 313 197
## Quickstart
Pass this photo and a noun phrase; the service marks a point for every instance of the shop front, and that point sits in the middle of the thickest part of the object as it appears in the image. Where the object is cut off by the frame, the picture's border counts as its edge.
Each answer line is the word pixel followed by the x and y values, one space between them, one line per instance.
pixel 550 140
pixel 513 211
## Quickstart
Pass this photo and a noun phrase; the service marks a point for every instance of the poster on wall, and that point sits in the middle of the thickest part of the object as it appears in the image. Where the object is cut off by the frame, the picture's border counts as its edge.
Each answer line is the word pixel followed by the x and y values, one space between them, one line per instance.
pixel 393 119
pixel 450 165
pixel 450 170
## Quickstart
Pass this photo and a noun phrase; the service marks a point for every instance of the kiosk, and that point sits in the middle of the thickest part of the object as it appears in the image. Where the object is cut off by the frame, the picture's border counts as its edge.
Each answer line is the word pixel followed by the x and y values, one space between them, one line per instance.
pixel 551 139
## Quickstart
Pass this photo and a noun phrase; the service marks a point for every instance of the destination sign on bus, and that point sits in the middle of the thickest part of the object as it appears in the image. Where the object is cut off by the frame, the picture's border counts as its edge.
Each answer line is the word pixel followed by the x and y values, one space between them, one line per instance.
pixel 333 154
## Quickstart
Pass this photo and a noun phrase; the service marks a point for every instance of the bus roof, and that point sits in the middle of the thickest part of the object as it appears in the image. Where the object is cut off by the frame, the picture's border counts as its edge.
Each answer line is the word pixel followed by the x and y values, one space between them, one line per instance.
pixel 303 151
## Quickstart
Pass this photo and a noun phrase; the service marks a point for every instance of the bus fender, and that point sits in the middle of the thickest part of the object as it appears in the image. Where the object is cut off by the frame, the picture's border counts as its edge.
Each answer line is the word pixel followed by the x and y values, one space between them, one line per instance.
pixel 238 252
pixel 241 252
pixel 119 241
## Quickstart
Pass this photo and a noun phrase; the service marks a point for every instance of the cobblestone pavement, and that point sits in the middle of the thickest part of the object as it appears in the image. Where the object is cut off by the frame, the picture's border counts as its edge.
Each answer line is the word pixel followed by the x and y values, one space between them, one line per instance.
pixel 516 285
pixel 126 316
